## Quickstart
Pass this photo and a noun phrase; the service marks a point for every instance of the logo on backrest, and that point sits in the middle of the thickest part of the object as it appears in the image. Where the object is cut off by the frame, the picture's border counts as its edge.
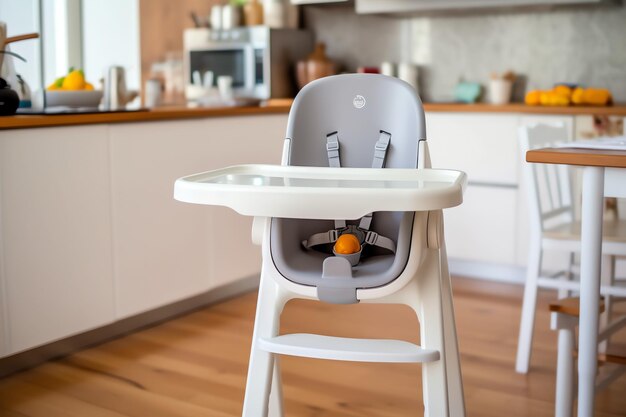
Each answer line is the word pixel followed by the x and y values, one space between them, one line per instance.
pixel 358 101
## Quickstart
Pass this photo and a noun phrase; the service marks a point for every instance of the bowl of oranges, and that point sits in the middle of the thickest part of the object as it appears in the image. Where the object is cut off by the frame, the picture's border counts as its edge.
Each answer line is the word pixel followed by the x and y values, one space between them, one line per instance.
pixel 72 90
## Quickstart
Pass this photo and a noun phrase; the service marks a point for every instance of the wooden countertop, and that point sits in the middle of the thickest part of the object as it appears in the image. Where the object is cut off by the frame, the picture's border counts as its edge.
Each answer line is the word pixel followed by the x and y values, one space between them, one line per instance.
pixel 619 110
pixel 162 113
pixel 574 156
pixel 273 107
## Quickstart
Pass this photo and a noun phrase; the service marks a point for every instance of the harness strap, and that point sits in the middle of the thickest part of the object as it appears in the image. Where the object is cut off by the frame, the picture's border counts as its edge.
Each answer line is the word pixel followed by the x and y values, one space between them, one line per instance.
pixel 321 238
pixel 334 161
pixel 331 236
pixel 332 148
pixel 380 149
pixel 380 152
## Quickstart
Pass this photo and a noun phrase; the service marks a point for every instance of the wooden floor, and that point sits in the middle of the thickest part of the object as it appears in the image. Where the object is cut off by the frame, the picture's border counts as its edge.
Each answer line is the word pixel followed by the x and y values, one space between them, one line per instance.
pixel 196 365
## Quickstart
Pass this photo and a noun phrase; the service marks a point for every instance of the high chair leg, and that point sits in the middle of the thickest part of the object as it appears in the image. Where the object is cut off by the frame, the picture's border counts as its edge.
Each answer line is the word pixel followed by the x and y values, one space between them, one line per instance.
pixel 276 392
pixel 453 363
pixel 427 304
pixel 266 325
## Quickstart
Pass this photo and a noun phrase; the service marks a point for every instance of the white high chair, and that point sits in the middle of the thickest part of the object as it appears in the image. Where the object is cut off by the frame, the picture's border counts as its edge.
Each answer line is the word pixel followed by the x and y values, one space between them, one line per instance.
pixel 348 120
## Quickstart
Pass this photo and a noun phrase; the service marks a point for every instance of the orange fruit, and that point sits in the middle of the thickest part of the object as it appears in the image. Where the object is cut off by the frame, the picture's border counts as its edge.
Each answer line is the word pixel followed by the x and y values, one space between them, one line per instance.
pixel 533 98
pixel 347 244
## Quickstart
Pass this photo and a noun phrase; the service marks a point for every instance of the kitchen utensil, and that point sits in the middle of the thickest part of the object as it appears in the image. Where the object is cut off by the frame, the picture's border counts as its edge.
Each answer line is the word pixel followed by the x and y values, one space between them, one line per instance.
pixel 317 65
pixel 225 86
pixel 20 38
pixel 197 22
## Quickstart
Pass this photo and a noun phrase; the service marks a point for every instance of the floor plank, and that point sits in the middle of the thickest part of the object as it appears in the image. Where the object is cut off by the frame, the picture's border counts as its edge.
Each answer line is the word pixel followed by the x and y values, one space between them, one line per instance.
pixel 196 365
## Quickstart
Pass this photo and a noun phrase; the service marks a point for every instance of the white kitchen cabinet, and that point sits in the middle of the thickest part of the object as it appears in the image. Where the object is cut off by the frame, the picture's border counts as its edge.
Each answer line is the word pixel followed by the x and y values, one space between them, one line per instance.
pixel 483 228
pixel 166 250
pixel 56 233
pixel 489 231
pixel 482 145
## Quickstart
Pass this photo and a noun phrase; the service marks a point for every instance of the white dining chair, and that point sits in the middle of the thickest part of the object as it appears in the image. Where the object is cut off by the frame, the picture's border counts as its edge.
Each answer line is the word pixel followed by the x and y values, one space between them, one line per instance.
pixel 553 227
pixel 564 319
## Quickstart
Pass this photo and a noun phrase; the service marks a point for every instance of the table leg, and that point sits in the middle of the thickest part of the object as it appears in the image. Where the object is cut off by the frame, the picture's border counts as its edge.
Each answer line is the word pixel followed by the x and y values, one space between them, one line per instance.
pixel 591 249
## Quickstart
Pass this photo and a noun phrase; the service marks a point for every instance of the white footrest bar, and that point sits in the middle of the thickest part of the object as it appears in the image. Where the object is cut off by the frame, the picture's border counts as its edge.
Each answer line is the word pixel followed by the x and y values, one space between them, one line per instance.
pixel 347 349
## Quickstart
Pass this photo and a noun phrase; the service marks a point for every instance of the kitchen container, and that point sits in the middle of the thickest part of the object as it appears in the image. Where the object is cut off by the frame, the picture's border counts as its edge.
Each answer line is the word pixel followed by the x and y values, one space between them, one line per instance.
pixel 317 65
pixel 74 99
pixel 152 94
pixel 231 16
pixel 215 19
pixel 253 13
pixel 500 90
pixel 275 13
pixel 408 72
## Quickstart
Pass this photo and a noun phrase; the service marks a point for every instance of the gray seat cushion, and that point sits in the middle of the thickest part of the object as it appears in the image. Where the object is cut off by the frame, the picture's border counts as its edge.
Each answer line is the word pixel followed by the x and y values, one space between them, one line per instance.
pixel 329 105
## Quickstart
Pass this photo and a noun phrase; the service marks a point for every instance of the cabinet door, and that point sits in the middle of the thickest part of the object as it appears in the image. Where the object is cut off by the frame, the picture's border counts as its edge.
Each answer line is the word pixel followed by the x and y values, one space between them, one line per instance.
pixel 166 250
pixel 483 227
pixel 482 145
pixel 56 241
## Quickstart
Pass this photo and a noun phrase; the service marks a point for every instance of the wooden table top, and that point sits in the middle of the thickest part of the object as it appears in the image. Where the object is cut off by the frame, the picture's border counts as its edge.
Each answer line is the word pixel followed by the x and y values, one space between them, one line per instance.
pixel 577 156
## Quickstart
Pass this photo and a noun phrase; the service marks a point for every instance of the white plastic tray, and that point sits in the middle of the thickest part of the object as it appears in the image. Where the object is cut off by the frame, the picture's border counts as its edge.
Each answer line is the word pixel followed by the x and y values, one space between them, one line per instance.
pixel 322 193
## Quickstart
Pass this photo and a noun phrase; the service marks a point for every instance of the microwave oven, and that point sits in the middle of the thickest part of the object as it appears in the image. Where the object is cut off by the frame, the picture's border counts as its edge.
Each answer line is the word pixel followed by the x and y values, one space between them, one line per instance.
pixel 261 60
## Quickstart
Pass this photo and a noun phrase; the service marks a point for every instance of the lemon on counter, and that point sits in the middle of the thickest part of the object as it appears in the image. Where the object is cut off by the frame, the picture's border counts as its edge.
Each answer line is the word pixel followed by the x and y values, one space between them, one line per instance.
pixel 75 80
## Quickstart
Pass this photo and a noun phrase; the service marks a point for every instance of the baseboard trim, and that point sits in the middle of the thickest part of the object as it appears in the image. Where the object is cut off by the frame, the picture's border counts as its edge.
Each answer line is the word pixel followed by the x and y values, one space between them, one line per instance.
pixel 27 359
pixel 488 271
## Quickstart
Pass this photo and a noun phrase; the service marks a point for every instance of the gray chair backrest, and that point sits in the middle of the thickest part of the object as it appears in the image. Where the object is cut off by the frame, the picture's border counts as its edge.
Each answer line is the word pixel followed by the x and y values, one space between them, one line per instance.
pixel 358 107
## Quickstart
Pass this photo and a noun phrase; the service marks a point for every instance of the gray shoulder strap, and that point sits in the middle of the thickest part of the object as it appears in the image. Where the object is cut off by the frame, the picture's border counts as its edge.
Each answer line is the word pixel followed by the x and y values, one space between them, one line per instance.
pixel 380 152
pixel 334 161
pixel 332 148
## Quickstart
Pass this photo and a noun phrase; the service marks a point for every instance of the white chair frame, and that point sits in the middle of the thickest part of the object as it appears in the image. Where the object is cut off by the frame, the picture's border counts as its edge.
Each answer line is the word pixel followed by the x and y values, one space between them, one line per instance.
pixel 554 182
pixel 424 286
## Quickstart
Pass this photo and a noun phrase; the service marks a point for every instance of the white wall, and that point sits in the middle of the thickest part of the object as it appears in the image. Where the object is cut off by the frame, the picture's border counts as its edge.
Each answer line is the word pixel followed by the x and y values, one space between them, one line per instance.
pixel 110 32
pixel 22 16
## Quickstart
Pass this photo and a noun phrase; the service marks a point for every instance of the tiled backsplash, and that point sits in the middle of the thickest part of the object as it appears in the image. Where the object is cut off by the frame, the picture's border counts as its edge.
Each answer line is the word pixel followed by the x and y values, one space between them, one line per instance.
pixel 582 45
